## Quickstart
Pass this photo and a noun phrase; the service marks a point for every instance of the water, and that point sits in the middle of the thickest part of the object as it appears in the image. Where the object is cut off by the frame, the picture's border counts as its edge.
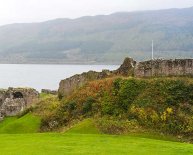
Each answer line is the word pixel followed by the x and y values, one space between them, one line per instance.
pixel 42 76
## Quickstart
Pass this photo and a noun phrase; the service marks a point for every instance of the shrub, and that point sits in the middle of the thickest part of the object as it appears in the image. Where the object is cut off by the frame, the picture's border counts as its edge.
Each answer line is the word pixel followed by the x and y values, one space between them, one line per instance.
pixel 116 86
pixel 161 104
pixel 71 105
pixel 128 92
pixel 87 106
pixel 112 125
pixel 178 92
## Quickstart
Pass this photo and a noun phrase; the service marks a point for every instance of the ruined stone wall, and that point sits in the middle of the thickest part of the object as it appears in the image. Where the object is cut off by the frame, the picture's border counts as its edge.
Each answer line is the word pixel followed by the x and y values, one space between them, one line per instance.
pixel 70 84
pixel 15 100
pixel 127 68
pixel 177 67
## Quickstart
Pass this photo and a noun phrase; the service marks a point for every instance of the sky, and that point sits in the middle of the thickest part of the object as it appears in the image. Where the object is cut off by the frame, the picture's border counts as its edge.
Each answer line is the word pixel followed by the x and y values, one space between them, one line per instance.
pixel 26 11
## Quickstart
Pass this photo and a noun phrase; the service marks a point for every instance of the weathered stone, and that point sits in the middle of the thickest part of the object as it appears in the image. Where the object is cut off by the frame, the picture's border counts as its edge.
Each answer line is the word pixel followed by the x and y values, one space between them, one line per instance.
pixel 177 67
pixel 15 100
pixel 48 91
pixel 70 84
pixel 127 68
pixel 11 107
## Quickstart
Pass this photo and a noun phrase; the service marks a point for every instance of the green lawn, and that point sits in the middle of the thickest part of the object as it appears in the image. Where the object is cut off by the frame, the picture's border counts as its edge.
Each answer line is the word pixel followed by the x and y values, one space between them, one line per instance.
pixel 84 127
pixel 26 124
pixel 83 138
pixel 60 144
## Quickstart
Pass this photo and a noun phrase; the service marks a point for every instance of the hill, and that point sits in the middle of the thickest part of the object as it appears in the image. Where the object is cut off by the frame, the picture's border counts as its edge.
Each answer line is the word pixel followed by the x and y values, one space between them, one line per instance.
pixel 100 39
pixel 124 106
pixel 26 124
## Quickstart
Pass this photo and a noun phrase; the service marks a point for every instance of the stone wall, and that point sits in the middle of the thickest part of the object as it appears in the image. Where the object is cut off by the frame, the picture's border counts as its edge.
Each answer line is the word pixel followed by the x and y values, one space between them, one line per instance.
pixel 127 68
pixel 15 100
pixel 177 67
pixel 70 84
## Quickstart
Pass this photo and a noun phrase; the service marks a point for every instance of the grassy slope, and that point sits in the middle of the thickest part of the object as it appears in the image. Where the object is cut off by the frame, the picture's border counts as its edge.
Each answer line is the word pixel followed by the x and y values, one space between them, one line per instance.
pixel 49 144
pixel 85 127
pixel 26 124
pixel 83 138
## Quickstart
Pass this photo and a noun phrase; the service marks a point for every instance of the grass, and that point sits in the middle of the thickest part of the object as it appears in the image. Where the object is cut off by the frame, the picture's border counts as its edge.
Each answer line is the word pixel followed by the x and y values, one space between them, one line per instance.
pixel 86 126
pixel 95 144
pixel 26 124
pixel 155 135
pixel 44 95
pixel 82 138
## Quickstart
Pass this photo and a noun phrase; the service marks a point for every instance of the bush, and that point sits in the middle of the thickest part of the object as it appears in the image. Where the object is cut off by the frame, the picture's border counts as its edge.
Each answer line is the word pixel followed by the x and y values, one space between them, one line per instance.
pixel 178 91
pixel 116 86
pixel 161 104
pixel 87 106
pixel 71 105
pixel 112 125
pixel 128 92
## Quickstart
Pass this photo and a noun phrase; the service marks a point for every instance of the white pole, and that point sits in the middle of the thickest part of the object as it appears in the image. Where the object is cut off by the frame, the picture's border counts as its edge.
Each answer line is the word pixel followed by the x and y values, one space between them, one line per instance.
pixel 152 54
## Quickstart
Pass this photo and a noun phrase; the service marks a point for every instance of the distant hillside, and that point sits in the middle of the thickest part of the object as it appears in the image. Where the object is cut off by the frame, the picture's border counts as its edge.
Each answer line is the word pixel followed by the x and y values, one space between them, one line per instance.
pixel 100 39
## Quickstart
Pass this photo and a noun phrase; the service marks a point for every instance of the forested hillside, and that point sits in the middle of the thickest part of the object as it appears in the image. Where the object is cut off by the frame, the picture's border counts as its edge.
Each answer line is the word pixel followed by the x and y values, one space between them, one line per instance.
pixel 100 39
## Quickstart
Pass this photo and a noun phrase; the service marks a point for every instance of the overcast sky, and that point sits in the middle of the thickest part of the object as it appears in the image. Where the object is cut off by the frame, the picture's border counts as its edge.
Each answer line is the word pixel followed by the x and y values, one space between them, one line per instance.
pixel 17 11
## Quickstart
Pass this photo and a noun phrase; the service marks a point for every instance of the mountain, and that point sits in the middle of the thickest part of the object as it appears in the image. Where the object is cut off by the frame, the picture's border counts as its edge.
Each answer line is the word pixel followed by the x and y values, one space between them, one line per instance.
pixel 100 39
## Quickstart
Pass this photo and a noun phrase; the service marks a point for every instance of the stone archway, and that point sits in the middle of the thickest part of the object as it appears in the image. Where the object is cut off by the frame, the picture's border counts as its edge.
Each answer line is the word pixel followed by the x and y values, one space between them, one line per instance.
pixel 17 95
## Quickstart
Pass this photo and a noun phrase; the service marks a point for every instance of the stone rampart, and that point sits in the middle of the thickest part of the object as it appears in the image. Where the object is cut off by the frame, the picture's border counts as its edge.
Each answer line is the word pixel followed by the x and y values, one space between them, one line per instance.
pixel 68 85
pixel 151 68
pixel 156 68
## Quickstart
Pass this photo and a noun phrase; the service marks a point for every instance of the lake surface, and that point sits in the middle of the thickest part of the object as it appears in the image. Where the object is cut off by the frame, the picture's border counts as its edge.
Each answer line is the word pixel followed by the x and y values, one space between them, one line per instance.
pixel 42 76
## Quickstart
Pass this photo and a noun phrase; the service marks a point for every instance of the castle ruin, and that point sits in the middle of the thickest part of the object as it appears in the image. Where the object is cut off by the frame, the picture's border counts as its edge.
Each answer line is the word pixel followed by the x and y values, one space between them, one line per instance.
pixel 15 100
pixel 151 68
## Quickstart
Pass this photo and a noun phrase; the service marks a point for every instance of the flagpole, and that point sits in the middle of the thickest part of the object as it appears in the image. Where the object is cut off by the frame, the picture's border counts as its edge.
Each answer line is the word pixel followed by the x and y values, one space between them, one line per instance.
pixel 152 52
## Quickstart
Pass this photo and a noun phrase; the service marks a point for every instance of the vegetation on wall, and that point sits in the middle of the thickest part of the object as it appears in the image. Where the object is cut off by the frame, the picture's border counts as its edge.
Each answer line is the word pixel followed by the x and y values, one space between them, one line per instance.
pixel 120 106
